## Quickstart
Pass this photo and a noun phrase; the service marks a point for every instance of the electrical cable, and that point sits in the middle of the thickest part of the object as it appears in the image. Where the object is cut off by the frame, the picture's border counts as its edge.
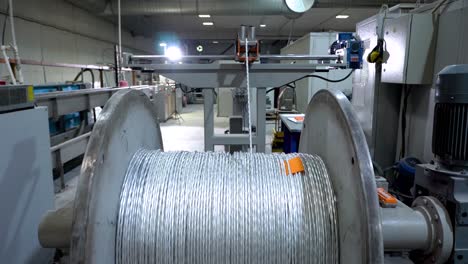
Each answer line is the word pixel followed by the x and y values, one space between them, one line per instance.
pixel 406 94
pixel 323 78
pixel 378 168
pixel 81 73
pixel 439 4
pixel 274 88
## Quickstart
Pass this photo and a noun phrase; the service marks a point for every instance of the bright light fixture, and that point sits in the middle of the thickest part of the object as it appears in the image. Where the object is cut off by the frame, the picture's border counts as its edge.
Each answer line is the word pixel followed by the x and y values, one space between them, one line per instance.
pixel 262 25
pixel 208 23
pixel 204 16
pixel 162 44
pixel 342 16
pixel 215 42
pixel 173 53
pixel 299 6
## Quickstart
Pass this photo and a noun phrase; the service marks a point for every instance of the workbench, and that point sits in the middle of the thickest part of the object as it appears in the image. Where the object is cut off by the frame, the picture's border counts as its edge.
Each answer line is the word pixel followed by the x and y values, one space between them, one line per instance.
pixel 292 132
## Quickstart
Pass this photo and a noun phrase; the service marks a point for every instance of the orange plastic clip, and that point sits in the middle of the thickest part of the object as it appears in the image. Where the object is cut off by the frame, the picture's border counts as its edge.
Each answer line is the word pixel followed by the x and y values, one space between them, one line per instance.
pixel 295 164
pixel 386 199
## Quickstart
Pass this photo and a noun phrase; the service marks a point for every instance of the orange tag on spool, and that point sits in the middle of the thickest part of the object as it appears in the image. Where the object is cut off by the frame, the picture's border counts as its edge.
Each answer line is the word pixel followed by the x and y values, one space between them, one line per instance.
pixel 386 198
pixel 295 164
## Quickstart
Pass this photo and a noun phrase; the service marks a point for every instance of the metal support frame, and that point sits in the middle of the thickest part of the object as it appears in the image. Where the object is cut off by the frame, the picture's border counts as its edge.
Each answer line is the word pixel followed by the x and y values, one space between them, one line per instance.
pixel 66 102
pixel 233 57
pixel 234 139
pixel 66 151
pixel 226 73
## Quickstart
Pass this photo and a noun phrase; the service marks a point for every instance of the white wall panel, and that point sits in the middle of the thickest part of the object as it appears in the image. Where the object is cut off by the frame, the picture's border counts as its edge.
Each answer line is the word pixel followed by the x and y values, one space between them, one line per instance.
pixel 56 31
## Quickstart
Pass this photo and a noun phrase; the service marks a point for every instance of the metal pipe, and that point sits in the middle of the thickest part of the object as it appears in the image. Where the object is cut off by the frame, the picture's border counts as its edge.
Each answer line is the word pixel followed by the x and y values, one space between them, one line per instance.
pixel 69 142
pixel 242 33
pixel 15 46
pixel 121 76
pixel 224 7
pixel 232 57
pixel 252 36
pixel 117 65
pixel 404 229
pixel 299 57
pixel 212 57
pixel 7 63
pixel 64 94
pixel 212 7
pixel 55 228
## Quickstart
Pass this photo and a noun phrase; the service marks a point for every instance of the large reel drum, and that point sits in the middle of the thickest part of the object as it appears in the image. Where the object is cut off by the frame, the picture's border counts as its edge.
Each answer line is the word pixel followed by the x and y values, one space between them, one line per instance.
pixel 128 123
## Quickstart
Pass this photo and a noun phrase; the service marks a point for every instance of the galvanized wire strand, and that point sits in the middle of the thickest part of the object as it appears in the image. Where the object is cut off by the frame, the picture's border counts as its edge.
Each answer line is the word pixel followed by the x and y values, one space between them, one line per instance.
pixel 192 207
pixel 247 80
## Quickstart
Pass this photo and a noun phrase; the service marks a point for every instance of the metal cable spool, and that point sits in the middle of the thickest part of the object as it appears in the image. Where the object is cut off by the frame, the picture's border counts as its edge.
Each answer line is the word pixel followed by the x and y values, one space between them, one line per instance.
pixel 196 207
pixel 128 124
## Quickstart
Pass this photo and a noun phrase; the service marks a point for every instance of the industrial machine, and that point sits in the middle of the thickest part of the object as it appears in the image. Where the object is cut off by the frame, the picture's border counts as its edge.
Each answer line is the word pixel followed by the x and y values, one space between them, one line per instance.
pixel 68 121
pixel 368 224
pixel 63 103
pixel 16 97
pixel 241 70
pixel 366 228
pixel 446 176
pixel 26 188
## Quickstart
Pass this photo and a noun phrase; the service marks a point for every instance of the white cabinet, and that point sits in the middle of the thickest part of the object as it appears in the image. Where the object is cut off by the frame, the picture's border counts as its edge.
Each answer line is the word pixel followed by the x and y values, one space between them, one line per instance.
pixel 410 43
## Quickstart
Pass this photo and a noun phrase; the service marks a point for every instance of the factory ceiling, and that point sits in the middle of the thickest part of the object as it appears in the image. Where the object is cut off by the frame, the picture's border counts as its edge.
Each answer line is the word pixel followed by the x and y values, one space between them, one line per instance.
pixel 181 17
pixel 225 27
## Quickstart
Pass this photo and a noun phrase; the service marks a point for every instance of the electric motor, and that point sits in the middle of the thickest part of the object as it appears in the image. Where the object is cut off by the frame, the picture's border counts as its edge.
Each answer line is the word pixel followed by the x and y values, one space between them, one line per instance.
pixel 450 130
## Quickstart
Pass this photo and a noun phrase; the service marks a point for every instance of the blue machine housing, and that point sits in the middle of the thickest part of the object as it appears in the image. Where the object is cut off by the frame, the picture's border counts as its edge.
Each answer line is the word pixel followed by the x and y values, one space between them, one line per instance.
pixel 347 44
pixel 355 51
pixel 69 121
pixel 345 36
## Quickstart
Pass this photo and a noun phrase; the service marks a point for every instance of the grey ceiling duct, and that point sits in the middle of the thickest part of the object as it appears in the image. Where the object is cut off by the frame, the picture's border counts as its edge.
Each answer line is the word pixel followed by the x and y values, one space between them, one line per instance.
pixel 212 7
pixel 289 8
pixel 94 6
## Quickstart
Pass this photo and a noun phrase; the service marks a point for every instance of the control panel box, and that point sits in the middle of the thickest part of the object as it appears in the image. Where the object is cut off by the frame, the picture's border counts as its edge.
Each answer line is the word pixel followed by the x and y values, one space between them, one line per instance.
pixel 410 42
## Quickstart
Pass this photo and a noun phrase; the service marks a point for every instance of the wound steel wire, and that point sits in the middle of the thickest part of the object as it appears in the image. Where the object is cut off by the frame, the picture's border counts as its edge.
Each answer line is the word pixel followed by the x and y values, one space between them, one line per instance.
pixel 194 207
pixel 247 80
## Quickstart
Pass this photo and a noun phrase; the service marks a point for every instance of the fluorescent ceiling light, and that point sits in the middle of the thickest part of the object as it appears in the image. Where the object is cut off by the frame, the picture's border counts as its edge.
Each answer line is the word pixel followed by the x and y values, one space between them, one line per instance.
pixel 215 42
pixel 262 25
pixel 204 16
pixel 173 53
pixel 342 16
pixel 162 44
pixel 208 23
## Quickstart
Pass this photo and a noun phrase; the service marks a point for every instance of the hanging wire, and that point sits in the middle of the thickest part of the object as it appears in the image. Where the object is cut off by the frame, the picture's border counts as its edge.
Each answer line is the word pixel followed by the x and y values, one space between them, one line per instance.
pixel 192 207
pixel 248 92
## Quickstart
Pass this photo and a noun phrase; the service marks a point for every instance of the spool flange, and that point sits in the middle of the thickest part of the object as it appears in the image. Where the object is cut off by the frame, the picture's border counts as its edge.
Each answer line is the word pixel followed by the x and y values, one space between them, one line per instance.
pixel 332 131
pixel 127 123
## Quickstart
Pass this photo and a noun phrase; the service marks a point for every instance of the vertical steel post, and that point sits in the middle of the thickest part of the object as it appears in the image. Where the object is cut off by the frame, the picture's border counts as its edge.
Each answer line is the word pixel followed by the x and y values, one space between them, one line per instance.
pixel 261 119
pixel 208 103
